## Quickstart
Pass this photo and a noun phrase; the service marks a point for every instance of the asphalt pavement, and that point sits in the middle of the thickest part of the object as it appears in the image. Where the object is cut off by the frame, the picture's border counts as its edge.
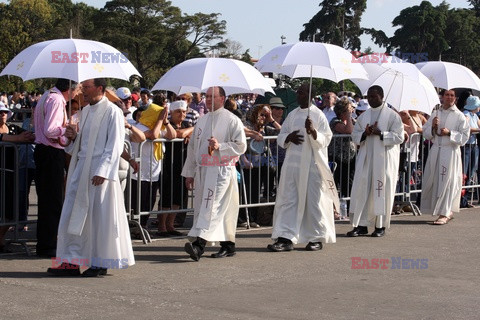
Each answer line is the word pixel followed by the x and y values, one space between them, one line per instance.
pixel 417 271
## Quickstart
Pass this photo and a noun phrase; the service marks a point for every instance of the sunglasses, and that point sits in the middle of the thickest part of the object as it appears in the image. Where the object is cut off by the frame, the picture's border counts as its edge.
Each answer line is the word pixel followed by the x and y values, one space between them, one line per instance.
pixel 4 112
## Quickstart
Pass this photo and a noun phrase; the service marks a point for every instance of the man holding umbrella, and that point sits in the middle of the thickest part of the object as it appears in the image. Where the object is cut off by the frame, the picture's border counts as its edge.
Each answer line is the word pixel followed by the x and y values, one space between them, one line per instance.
pixel 217 141
pixel 307 193
pixel 93 228
pixel 50 125
pixel 448 129
pixel 379 132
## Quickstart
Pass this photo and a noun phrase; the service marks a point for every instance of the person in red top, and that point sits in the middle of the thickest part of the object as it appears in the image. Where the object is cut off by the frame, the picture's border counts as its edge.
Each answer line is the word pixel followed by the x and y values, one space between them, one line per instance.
pixel 50 125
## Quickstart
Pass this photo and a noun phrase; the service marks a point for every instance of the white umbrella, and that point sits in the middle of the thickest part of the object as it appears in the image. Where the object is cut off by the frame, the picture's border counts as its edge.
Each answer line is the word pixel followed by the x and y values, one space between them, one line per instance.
pixel 448 75
pixel 74 59
pixel 406 90
pixel 312 59
pixel 199 74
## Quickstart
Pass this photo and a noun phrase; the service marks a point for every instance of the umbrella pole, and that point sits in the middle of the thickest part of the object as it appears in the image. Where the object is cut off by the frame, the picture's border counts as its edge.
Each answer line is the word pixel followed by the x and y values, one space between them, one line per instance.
pixel 310 92
pixel 210 149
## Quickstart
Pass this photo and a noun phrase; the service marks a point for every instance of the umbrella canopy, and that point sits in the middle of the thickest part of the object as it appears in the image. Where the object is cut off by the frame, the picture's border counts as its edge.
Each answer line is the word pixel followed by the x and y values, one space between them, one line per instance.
pixel 448 75
pixel 199 74
pixel 312 59
pixel 402 90
pixel 74 59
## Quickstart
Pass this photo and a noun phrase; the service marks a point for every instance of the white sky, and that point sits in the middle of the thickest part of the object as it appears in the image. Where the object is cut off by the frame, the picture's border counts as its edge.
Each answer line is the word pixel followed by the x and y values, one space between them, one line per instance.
pixel 259 24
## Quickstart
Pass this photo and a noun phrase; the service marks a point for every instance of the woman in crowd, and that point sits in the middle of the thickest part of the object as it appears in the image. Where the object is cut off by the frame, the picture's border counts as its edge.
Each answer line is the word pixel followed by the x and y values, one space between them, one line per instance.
pixel 173 191
pixel 341 149
pixel 258 171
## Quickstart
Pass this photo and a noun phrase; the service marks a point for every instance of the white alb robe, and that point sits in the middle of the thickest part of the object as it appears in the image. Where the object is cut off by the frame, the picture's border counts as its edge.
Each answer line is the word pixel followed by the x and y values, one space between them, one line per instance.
pixel 216 201
pixel 95 231
pixel 376 168
pixel 442 177
pixel 306 194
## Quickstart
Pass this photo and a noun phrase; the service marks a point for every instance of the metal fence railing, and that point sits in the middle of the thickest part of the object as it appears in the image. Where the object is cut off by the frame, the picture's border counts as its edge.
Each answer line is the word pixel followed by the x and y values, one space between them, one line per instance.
pixel 164 192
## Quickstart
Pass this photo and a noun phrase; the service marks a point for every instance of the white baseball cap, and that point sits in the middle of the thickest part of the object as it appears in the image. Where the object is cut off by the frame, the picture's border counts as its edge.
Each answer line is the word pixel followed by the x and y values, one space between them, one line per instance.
pixel 124 93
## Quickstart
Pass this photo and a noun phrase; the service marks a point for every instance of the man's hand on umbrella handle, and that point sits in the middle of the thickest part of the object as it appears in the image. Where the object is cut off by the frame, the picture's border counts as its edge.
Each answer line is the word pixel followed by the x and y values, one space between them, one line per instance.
pixel 435 123
pixel 189 183
pixel 368 130
pixel 71 132
pixel 213 143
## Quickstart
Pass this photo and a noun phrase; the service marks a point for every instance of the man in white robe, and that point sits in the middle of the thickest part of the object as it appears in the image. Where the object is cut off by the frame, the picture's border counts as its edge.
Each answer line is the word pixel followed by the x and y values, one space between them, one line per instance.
pixel 448 129
pixel 215 146
pixel 307 193
pixel 379 133
pixel 93 230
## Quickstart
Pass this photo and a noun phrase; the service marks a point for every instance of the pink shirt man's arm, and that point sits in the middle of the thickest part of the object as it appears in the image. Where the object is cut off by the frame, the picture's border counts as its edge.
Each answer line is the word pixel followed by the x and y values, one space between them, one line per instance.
pixel 52 127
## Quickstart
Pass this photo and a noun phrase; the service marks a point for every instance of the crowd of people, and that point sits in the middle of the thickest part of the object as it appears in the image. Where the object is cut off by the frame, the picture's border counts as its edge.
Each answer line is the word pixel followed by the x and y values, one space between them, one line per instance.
pixel 80 164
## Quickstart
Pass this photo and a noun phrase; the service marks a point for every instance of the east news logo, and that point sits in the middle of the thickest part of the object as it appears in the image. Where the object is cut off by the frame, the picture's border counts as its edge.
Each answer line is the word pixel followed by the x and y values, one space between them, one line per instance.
pixel 393 263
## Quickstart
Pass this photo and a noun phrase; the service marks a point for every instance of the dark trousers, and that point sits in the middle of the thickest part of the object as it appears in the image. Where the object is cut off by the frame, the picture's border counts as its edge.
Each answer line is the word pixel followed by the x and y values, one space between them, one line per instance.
pixel 49 182
pixel 148 194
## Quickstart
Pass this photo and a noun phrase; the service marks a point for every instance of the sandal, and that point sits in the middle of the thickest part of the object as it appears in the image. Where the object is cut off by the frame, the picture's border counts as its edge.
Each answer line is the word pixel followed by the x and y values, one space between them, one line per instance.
pixel 336 215
pixel 442 220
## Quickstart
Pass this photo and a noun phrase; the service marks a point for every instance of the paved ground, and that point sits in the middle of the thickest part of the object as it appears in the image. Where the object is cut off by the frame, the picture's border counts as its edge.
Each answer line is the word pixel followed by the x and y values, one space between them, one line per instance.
pixel 256 284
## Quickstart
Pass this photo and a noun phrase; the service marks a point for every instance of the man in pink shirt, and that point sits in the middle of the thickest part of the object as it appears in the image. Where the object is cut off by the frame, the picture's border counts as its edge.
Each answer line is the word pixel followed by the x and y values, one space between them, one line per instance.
pixel 50 125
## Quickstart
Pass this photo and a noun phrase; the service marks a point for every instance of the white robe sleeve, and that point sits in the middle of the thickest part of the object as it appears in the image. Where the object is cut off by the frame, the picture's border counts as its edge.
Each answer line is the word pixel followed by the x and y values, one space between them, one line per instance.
pixel 236 143
pixel 188 170
pixel 285 130
pixel 109 162
pixel 462 133
pixel 324 133
pixel 358 130
pixel 395 134
pixel 427 128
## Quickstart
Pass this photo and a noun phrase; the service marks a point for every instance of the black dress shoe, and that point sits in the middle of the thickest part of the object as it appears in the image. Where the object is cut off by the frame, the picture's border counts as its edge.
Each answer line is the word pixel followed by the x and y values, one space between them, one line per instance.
pixel 193 251
pixel 280 246
pixel 46 253
pixel 358 231
pixel 65 270
pixel 379 232
pixel 94 272
pixel 224 252
pixel 314 246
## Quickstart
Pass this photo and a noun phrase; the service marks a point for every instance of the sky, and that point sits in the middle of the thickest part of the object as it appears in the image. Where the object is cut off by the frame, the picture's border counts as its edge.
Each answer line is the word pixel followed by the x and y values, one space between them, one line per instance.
pixel 259 24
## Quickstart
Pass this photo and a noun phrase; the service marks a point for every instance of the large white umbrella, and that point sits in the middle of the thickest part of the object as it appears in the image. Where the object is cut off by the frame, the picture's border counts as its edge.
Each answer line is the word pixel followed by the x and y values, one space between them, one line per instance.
pixel 199 74
pixel 407 90
pixel 449 75
pixel 74 59
pixel 312 59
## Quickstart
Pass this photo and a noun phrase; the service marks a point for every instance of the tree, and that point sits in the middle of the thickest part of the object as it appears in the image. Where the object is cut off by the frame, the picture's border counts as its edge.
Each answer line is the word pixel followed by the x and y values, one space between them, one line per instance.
pixel 463 38
pixel 154 35
pixel 337 22
pixel 421 29
pixel 31 20
pixel 230 49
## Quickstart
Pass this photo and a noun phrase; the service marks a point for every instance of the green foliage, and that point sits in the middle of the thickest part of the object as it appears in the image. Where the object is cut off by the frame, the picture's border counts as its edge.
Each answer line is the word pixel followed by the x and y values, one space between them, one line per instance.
pixel 153 34
pixel 337 22
pixel 421 29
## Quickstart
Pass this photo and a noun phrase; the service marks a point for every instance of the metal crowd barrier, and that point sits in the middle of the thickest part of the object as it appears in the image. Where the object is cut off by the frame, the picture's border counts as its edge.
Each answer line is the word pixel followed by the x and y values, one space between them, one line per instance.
pixel 257 183
pixel 10 168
